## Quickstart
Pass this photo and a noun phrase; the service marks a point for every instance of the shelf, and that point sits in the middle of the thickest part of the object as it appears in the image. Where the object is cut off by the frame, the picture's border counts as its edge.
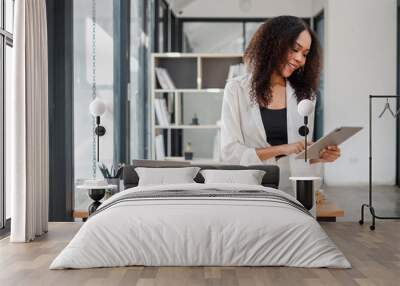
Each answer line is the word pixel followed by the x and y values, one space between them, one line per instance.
pixel 199 81
pixel 80 214
pixel 204 90
pixel 212 79
pixel 181 70
pixel 328 209
pixel 187 127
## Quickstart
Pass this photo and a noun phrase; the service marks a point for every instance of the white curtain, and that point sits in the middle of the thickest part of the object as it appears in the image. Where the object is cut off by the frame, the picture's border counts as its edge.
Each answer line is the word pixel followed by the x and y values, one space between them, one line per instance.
pixel 27 122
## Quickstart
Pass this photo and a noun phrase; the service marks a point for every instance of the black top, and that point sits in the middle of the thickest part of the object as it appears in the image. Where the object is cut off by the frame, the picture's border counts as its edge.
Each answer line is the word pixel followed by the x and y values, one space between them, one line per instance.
pixel 275 125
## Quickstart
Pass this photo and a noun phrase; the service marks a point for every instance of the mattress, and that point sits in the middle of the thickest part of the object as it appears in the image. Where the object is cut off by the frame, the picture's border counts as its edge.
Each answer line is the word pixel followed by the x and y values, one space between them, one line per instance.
pixel 201 225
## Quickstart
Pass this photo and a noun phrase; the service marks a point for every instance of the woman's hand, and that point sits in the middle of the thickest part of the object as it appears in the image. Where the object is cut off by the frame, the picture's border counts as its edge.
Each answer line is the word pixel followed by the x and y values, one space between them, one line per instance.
pixel 293 148
pixel 329 154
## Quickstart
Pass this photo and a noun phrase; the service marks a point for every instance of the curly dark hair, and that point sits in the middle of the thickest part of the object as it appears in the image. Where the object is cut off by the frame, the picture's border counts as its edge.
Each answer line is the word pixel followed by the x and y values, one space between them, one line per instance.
pixel 267 52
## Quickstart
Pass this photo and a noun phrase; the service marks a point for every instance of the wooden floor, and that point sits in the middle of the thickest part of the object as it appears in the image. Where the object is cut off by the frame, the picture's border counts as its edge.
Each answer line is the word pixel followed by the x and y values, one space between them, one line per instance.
pixel 374 255
pixel 386 200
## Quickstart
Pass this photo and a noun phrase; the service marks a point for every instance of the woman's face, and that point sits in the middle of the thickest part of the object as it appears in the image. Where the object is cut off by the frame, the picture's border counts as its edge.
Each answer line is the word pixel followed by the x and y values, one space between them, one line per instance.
pixel 297 55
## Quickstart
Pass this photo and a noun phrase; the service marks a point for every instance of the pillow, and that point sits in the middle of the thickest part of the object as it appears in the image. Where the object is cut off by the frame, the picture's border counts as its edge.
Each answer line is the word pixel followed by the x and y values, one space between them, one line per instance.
pixel 248 177
pixel 163 176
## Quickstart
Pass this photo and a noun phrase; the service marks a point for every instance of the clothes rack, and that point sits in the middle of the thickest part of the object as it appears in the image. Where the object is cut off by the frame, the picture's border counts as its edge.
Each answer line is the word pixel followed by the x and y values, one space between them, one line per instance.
pixel 369 205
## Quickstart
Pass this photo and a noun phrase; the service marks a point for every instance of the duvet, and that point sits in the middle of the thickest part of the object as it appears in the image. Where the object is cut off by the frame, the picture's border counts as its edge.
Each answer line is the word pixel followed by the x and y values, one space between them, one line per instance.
pixel 201 224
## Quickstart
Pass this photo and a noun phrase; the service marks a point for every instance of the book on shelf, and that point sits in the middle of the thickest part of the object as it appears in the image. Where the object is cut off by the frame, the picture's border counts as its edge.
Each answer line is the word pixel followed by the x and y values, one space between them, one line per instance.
pixel 157 109
pixel 164 109
pixel 236 70
pixel 164 78
pixel 171 103
pixel 159 145
pixel 162 114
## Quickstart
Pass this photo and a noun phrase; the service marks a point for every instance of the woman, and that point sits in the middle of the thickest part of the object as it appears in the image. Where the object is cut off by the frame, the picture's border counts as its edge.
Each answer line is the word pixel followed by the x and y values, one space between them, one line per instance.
pixel 260 121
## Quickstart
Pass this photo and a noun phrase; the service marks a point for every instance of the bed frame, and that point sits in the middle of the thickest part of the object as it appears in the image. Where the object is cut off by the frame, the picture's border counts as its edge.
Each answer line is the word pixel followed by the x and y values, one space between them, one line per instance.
pixel 326 211
pixel 131 179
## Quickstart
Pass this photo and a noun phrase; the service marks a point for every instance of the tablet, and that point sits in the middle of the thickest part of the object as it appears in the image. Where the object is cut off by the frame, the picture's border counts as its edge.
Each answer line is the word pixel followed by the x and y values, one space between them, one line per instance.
pixel 336 137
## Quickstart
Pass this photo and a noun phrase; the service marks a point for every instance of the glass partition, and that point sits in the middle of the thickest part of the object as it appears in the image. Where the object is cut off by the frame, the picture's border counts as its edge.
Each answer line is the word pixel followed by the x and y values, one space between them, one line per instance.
pixel 85 43
pixel 213 37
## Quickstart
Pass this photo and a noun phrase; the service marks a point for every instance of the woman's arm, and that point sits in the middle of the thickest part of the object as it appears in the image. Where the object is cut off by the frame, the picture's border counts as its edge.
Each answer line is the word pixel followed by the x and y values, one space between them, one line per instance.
pixel 268 152
pixel 278 150
pixel 233 149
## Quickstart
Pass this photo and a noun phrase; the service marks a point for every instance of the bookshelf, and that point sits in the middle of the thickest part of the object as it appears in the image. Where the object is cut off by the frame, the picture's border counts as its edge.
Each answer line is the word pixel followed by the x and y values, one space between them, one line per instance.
pixel 194 88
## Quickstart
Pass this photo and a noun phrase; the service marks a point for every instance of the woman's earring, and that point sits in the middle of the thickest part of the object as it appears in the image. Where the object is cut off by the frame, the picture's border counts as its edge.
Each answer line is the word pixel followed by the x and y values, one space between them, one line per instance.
pixel 301 69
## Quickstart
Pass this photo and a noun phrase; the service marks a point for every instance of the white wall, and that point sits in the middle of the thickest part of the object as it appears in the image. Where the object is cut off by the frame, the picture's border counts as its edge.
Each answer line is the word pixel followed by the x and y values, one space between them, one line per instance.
pixel 241 8
pixel 360 59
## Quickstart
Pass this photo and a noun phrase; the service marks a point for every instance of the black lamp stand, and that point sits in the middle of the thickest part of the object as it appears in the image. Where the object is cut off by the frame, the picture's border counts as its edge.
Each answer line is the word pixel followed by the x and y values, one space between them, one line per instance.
pixel 99 131
pixel 303 131
pixel 96 195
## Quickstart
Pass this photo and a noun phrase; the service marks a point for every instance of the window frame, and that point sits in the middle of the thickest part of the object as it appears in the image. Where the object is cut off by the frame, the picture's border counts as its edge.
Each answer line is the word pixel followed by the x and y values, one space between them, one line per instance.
pixel 398 100
pixel 6 39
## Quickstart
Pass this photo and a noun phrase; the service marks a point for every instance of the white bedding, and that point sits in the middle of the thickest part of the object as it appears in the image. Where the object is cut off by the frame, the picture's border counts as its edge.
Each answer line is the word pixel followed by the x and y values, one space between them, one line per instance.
pixel 200 231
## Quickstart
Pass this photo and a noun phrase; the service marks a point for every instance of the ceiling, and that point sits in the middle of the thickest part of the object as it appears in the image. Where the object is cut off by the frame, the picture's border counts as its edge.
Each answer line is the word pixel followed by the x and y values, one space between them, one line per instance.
pixel 241 8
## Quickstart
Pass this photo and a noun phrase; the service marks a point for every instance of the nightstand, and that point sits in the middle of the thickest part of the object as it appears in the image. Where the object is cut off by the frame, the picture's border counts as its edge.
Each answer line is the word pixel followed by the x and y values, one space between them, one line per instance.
pixel 305 193
pixel 320 208
pixel 96 193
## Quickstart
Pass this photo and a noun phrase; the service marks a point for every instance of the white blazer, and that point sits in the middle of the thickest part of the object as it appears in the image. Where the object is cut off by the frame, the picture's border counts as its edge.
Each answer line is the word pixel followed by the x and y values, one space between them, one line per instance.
pixel 242 129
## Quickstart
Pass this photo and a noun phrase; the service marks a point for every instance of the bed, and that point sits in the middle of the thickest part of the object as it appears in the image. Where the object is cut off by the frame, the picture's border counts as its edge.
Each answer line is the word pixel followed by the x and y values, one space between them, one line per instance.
pixel 197 224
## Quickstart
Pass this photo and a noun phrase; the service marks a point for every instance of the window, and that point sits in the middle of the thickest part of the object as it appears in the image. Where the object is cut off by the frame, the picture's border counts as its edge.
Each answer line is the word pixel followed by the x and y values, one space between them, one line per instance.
pixel 213 37
pixel 140 22
pixel 112 36
pixel 6 44
pixel 250 29
pixel 319 22
pixel 9 15
pixel 218 35
pixel 85 143
pixel 161 45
